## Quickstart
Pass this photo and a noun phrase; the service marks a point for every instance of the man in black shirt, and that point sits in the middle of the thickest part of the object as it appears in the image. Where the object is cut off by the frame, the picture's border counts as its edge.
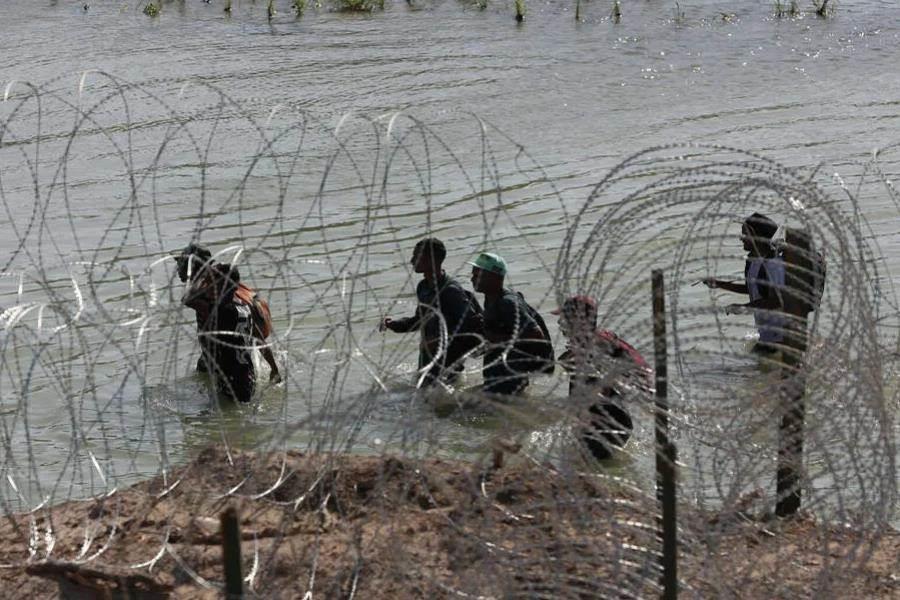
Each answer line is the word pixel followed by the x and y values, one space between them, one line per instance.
pixel 506 322
pixel 443 316
pixel 226 336
pixel 195 263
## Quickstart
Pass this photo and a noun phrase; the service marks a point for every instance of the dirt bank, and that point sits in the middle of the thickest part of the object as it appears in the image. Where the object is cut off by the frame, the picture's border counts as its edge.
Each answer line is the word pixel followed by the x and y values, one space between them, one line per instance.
pixel 384 527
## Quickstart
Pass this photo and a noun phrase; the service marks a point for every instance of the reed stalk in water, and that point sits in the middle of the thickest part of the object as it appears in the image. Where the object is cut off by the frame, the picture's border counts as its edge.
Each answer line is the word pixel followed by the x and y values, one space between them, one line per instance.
pixel 679 14
pixel 780 10
pixel 299 6
pixel 228 6
pixel 359 5
pixel 822 8
pixel 577 10
pixel 616 14
pixel 270 9
pixel 151 9
pixel 520 10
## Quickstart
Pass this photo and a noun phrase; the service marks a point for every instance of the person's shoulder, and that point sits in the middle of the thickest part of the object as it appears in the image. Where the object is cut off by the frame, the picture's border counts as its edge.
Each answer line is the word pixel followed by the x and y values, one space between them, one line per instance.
pixel 612 339
pixel 511 298
pixel 450 283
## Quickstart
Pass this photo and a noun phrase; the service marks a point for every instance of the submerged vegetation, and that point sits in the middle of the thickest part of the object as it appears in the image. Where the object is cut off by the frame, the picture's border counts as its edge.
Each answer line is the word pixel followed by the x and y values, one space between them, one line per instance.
pixel 151 9
pixel 520 10
pixel 616 14
pixel 359 5
pixel 822 7
pixel 780 8
pixel 679 14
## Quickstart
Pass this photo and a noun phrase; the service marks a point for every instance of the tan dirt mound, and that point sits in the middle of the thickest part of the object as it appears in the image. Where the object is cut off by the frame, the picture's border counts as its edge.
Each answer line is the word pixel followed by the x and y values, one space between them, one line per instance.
pixel 386 527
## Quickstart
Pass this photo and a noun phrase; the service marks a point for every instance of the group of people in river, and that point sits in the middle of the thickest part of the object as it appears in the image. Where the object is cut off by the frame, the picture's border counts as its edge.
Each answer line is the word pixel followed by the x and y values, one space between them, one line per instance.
pixel 510 335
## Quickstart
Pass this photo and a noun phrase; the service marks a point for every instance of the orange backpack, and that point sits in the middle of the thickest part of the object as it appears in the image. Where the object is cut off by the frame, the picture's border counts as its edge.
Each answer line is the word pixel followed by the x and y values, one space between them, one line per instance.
pixel 259 309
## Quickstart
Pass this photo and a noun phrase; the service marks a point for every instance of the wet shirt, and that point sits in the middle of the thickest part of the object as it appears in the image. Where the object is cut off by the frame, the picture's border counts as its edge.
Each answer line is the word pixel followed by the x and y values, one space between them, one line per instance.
pixel 443 299
pixel 506 317
pixel 243 294
pixel 765 279
pixel 227 339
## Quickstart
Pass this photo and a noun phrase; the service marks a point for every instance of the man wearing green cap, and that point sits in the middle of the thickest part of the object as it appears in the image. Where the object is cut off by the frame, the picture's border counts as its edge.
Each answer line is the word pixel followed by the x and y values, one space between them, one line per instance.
pixel 509 324
pixel 442 303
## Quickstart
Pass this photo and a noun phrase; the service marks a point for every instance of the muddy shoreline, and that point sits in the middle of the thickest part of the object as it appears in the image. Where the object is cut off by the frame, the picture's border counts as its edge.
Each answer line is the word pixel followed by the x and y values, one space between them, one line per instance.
pixel 389 527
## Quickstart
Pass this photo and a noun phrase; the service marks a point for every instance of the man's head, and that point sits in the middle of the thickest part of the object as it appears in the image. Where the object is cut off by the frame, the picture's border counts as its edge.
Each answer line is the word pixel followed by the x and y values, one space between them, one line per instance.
pixel 757 231
pixel 428 256
pixel 193 259
pixel 577 315
pixel 224 279
pixel 488 272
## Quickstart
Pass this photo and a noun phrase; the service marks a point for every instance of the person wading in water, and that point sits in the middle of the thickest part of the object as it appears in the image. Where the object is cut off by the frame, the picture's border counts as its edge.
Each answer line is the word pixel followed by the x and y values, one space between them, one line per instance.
pixel 517 340
pixel 764 277
pixel 604 370
pixel 443 306
pixel 226 337
pixel 194 264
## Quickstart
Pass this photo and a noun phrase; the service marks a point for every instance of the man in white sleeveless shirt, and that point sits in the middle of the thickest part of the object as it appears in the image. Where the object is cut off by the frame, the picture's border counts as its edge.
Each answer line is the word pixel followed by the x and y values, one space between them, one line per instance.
pixel 763 282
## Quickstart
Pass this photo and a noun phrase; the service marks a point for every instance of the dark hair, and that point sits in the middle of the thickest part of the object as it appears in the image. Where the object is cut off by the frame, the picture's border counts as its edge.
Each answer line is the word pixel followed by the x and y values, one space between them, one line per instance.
pixel 433 247
pixel 761 226
pixel 198 251
pixel 227 270
pixel 199 255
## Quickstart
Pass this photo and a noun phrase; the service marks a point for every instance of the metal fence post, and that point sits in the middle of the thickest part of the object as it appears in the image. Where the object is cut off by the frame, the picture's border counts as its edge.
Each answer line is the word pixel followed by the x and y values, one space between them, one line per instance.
pixel 231 554
pixel 666 453
pixel 797 305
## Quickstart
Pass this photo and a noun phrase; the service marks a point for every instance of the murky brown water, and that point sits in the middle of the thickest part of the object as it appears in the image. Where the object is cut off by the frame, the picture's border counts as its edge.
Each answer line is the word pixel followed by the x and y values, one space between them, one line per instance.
pixel 324 239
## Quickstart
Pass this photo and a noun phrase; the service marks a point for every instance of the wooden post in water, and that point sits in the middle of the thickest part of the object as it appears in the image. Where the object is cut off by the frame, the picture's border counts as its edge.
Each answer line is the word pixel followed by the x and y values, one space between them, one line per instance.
pixel 231 554
pixel 798 303
pixel 665 450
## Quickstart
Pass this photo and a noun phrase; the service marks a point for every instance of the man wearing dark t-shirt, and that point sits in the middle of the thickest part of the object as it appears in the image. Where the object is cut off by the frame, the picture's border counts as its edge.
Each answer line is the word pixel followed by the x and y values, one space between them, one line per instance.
pixel 442 316
pixel 506 322
pixel 226 338
pixel 195 264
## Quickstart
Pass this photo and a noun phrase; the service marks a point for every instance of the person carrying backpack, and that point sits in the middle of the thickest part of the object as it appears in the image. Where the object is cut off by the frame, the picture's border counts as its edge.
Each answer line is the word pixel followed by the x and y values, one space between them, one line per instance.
pixel 444 316
pixel 226 339
pixel 195 263
pixel 764 280
pixel 603 368
pixel 518 342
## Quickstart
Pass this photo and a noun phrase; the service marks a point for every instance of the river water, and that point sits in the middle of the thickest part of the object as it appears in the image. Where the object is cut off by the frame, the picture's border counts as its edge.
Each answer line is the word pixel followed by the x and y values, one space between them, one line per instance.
pixel 299 148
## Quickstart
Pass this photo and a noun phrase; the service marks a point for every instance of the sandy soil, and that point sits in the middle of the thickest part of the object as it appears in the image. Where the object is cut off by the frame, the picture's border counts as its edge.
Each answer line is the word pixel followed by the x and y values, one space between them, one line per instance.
pixel 384 527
